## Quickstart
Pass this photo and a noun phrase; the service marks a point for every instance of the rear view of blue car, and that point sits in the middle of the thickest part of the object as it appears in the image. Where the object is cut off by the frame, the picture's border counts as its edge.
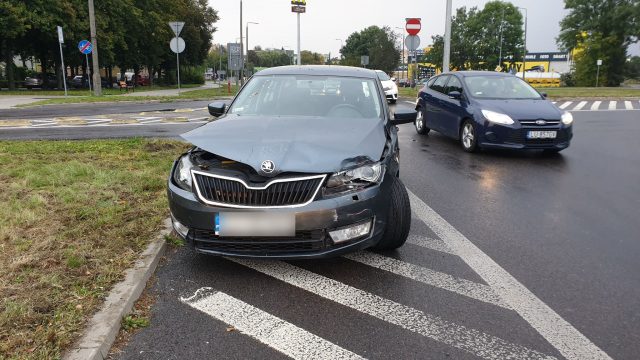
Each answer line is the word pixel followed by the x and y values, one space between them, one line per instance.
pixel 483 109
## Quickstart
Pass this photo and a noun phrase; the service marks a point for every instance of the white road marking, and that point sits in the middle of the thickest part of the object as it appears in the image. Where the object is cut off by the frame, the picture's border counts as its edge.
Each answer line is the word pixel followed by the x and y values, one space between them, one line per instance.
pixel 50 124
pixel 557 331
pixel 199 109
pixel 627 105
pixel 410 102
pixel 429 243
pixel 580 105
pixel 474 341
pixel 150 121
pixel 98 122
pixel 566 104
pixel 43 120
pixel 596 105
pixel 612 105
pixel 270 330
pixel 427 276
pixel 198 118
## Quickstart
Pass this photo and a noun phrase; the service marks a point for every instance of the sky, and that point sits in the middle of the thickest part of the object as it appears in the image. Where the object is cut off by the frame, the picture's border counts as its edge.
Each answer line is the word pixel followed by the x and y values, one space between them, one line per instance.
pixel 327 21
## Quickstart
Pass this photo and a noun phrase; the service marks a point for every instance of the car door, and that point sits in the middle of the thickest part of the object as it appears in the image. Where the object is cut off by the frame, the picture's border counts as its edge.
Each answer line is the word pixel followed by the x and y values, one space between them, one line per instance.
pixel 433 101
pixel 452 109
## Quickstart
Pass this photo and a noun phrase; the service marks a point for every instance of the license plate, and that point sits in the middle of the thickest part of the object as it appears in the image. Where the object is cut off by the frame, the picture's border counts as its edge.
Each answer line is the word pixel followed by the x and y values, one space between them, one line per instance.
pixel 255 224
pixel 542 134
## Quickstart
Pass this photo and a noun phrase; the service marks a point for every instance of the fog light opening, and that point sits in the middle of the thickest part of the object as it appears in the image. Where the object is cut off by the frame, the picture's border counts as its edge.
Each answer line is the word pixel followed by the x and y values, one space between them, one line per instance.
pixel 179 227
pixel 350 232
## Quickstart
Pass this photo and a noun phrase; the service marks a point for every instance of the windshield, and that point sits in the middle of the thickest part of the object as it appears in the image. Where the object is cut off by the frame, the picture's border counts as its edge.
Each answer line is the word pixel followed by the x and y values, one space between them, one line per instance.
pixel 500 87
pixel 383 76
pixel 302 95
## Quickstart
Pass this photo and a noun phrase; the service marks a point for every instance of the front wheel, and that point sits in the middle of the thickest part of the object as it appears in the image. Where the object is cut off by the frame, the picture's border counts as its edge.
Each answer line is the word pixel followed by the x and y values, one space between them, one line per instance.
pixel 468 138
pixel 421 126
pixel 398 218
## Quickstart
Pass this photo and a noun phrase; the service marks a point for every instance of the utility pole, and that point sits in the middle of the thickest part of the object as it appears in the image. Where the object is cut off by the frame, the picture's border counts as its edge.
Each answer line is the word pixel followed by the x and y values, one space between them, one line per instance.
pixel 247 42
pixel 241 49
pixel 97 83
pixel 524 57
pixel 299 54
pixel 447 39
pixel 501 28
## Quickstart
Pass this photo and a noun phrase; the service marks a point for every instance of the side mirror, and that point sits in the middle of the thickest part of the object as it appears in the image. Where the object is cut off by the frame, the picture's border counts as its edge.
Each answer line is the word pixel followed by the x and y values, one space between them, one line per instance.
pixel 404 117
pixel 544 94
pixel 217 108
pixel 455 95
pixel 393 79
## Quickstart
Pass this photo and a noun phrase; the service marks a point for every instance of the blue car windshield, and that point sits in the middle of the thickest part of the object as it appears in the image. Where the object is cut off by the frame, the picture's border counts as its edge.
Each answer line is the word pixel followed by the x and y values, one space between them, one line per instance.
pixel 303 95
pixel 500 87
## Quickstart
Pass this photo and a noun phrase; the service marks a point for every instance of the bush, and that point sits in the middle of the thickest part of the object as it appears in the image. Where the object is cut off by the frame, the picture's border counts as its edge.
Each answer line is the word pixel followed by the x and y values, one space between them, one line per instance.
pixel 567 79
pixel 188 75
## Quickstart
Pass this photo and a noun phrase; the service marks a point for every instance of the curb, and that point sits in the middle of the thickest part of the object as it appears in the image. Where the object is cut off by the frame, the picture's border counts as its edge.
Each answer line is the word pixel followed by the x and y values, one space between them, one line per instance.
pixel 103 327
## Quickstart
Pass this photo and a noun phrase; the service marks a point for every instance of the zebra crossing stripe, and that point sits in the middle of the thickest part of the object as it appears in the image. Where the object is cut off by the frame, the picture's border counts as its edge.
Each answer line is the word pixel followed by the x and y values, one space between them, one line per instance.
pixel 596 105
pixel 627 105
pixel 471 340
pixel 566 104
pixel 429 243
pixel 558 332
pixel 612 105
pixel 580 105
pixel 270 330
pixel 430 277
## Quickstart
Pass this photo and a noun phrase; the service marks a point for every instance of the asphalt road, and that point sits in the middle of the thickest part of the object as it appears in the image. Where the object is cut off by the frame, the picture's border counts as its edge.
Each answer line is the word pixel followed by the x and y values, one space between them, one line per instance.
pixel 511 255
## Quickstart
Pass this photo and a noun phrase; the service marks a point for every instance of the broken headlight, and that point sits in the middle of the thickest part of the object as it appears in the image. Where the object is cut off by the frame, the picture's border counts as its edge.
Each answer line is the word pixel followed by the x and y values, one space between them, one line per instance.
pixel 182 172
pixel 354 179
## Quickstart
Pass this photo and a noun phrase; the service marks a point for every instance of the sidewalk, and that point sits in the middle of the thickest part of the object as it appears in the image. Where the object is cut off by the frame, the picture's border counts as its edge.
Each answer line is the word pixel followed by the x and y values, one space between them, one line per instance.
pixel 10 101
pixel 171 92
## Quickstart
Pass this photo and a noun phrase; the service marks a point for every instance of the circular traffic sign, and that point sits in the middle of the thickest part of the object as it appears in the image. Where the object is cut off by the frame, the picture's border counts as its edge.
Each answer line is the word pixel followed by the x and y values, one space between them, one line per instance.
pixel 413 26
pixel 412 42
pixel 85 47
pixel 177 45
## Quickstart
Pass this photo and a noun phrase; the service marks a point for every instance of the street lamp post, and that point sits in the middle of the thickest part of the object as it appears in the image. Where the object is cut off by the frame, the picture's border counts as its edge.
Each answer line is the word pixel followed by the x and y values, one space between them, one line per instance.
pixel 247 36
pixel 524 57
pixel 447 38
pixel 402 47
pixel 501 29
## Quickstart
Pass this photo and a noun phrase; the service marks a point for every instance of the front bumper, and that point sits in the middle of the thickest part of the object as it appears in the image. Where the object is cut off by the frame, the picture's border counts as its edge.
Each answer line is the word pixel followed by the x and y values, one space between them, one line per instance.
pixel 391 94
pixel 505 137
pixel 313 223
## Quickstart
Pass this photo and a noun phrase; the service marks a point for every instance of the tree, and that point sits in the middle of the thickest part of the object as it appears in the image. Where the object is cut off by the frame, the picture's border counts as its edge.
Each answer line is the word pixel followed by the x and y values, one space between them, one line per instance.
pixel 311 58
pixel 600 29
pixel 378 43
pixel 632 68
pixel 13 25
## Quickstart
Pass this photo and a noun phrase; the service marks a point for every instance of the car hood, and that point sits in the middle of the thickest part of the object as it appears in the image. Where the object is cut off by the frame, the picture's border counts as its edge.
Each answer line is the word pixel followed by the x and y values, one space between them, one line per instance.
pixel 294 144
pixel 523 109
pixel 388 84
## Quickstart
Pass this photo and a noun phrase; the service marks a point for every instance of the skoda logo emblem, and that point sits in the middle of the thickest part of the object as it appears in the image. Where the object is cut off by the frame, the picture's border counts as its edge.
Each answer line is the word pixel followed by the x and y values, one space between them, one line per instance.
pixel 541 122
pixel 267 166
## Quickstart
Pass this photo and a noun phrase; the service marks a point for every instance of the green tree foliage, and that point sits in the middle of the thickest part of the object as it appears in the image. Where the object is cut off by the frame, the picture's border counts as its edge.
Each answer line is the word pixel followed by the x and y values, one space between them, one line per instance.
pixel 378 43
pixel 601 29
pixel 632 68
pixel 475 38
pixel 131 34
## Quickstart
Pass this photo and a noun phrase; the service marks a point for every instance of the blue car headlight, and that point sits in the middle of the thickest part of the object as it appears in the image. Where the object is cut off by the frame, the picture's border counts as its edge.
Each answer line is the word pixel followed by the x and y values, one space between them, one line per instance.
pixel 497 118
pixel 354 179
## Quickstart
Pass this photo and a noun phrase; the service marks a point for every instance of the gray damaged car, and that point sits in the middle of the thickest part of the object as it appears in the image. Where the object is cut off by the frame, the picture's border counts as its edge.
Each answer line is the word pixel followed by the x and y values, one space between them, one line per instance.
pixel 303 163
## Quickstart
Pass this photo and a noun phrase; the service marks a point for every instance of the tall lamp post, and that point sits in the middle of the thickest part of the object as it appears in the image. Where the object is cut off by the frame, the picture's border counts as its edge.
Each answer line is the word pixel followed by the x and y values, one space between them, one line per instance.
pixel 402 30
pixel 446 57
pixel 524 56
pixel 247 36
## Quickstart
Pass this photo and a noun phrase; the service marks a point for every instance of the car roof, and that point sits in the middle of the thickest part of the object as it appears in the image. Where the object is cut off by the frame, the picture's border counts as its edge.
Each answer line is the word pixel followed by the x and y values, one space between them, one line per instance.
pixel 322 70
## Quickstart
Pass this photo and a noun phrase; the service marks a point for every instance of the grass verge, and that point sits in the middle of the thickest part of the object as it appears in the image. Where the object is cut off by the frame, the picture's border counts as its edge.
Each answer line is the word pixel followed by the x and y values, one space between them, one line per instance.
pixel 85 92
pixel 200 94
pixel 74 215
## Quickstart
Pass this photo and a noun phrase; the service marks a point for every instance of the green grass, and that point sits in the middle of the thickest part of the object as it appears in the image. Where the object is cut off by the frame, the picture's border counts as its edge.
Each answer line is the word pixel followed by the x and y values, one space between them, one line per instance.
pixel 200 94
pixel 85 92
pixel 562 92
pixel 74 215
pixel 406 92
pixel 131 322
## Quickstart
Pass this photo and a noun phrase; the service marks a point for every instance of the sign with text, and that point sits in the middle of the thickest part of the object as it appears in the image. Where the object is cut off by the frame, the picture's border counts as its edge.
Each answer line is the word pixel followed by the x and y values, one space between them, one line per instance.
pixel 235 56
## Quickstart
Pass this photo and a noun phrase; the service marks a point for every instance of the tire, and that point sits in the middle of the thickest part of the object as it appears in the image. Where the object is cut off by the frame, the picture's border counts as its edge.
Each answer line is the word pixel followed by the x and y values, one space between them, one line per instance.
pixel 420 124
pixel 468 138
pixel 398 218
pixel 393 101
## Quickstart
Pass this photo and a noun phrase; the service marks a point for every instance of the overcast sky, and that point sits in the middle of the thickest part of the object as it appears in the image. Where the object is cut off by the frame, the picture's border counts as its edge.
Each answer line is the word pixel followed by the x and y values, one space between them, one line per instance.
pixel 328 20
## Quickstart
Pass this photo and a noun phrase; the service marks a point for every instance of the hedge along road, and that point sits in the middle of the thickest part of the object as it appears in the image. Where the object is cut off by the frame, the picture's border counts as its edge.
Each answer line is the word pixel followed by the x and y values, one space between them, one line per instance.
pixel 511 255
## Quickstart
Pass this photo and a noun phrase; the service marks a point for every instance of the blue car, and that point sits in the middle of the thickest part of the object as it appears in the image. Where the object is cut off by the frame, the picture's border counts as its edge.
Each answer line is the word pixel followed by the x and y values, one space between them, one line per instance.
pixel 484 109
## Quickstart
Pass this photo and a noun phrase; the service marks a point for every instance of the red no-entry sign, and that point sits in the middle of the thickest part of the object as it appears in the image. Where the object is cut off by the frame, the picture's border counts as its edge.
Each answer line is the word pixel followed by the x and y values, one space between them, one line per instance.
pixel 413 26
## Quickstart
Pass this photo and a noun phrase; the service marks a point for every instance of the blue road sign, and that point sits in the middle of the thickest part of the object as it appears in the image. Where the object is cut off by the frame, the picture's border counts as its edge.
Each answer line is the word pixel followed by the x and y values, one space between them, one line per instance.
pixel 85 47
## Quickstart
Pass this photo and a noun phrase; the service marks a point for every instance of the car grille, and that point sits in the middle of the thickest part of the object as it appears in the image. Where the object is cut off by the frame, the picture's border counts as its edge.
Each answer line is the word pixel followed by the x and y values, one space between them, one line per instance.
pixel 304 241
pixel 533 123
pixel 224 191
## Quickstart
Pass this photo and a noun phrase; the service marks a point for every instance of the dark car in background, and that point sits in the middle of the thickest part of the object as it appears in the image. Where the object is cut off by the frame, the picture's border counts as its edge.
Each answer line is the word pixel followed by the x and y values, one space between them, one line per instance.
pixel 485 109
pixel 291 170
pixel 48 81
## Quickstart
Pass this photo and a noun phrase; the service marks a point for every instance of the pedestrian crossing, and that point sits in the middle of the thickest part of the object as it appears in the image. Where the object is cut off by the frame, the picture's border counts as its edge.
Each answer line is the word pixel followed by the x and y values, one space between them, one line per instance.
pixel 598 105
pixel 500 294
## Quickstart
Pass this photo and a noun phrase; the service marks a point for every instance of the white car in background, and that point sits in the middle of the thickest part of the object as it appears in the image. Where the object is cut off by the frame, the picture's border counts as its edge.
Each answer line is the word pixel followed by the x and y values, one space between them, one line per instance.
pixel 389 86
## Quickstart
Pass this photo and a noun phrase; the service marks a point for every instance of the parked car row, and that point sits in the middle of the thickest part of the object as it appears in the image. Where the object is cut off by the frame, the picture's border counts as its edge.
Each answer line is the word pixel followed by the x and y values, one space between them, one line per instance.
pixel 50 81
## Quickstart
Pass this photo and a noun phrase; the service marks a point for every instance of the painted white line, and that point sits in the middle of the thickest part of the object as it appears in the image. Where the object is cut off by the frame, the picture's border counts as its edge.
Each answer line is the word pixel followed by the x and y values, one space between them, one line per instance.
pixel 557 331
pixel 474 341
pixel 50 124
pixel 147 118
pixel 99 122
pixel 612 105
pixel 627 105
pixel 580 105
pixel 410 102
pixel 566 104
pixel 427 276
pixel 270 330
pixel 429 243
pixel 150 121
pixel 596 105
pixel 43 120
pixel 199 109
pixel 198 118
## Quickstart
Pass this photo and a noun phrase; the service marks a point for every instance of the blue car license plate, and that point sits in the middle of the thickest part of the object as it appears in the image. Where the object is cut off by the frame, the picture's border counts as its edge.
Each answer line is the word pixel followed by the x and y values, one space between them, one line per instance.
pixel 542 134
pixel 255 224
